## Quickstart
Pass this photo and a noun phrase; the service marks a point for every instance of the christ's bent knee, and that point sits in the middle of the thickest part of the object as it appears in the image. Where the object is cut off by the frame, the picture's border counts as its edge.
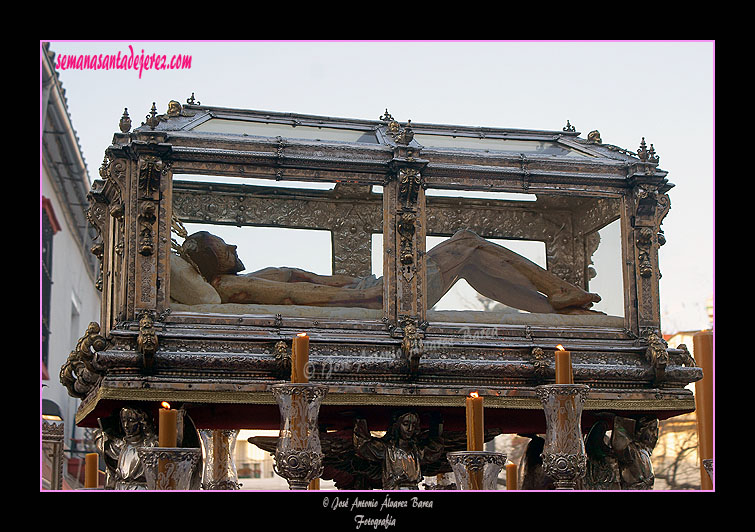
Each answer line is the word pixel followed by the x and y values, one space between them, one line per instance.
pixel 466 234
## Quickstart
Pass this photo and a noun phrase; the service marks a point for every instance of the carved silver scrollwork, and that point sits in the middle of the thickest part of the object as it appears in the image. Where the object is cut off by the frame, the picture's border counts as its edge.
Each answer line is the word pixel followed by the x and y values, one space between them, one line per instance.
pixel 79 375
pixel 97 216
pixel 412 347
pixel 656 352
pixel 476 460
pixel 644 244
pixel 147 341
pixel 540 362
pixel 151 169
pixel 405 227
pixel 400 135
pixel 687 358
pixel 146 218
pixel 564 467
pixel 299 467
pixel 282 358
pixel 410 180
pixel 651 208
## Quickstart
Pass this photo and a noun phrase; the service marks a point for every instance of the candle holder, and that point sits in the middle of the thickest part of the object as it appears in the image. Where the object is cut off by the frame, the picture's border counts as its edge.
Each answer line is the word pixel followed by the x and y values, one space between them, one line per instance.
pixel 169 468
pixel 298 455
pixel 486 465
pixel 564 457
pixel 219 471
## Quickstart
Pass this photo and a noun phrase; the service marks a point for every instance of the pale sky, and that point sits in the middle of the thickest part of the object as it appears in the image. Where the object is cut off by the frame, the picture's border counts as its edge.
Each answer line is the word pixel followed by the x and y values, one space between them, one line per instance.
pixel 663 91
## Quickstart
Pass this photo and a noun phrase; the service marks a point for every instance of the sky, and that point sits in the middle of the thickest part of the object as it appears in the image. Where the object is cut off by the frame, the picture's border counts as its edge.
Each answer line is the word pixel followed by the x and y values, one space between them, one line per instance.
pixel 660 90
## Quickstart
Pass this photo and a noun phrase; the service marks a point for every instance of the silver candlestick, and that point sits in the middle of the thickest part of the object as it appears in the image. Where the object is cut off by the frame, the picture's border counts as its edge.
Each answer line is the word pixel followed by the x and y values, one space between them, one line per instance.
pixel 298 455
pixel 219 466
pixel 476 470
pixel 564 457
pixel 169 468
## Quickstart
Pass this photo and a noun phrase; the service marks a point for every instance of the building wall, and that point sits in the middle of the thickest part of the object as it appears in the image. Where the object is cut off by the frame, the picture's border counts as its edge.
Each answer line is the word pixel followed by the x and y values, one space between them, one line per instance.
pixel 74 303
pixel 74 299
pixel 252 459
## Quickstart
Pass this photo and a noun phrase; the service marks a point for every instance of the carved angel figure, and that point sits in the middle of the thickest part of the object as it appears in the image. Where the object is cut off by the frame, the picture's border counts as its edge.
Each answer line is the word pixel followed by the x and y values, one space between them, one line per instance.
pixel 632 442
pixel 356 460
pixel 400 452
pixel 619 462
pixel 602 466
pixel 118 445
pixel 121 434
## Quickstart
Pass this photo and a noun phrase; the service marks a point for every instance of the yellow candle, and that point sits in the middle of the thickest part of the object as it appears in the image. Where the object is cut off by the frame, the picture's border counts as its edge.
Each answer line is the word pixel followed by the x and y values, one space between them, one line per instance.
pixel 475 422
pixel 563 366
pixel 299 358
pixel 167 436
pixel 168 429
pixel 314 484
pixel 90 470
pixel 511 476
pixel 703 349
pixel 475 434
pixel 220 455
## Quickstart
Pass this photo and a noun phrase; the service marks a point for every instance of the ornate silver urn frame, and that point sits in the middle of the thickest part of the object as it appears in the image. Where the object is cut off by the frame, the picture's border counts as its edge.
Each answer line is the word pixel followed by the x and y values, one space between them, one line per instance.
pixel 191 164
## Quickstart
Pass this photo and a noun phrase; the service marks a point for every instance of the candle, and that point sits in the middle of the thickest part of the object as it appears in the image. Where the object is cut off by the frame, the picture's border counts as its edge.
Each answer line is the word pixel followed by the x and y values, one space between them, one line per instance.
pixel 475 422
pixel 702 343
pixel 475 434
pixel 511 476
pixel 299 358
pixel 167 436
pixel 90 470
pixel 220 455
pixel 299 361
pixel 563 366
pixel 314 484
pixel 168 430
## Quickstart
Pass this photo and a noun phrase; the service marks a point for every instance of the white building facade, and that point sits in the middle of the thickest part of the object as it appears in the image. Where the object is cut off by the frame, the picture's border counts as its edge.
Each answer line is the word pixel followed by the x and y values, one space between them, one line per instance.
pixel 68 271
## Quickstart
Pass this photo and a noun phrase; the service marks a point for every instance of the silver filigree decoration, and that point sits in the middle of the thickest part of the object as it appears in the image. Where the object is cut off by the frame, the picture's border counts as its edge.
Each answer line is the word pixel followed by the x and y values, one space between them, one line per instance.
pixel 564 457
pixel 169 468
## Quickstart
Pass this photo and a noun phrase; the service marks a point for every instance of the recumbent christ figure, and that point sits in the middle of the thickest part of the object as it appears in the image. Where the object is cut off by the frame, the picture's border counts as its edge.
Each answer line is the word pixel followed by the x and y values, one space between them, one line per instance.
pixel 493 270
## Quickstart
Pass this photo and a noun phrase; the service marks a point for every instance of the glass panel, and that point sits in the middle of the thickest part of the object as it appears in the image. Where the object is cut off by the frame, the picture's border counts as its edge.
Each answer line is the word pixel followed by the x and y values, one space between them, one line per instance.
pixel 530 147
pixel 377 254
pixel 535 262
pixel 606 268
pixel 263 247
pixel 461 295
pixel 226 180
pixel 480 194
pixel 242 127
pixel 259 251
